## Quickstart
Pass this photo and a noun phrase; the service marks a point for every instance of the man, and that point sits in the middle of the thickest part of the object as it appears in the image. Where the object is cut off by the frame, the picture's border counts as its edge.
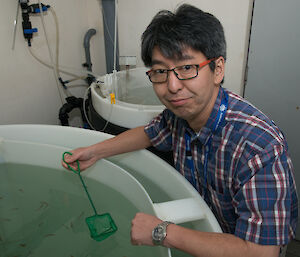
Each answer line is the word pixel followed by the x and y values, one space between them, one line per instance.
pixel 228 150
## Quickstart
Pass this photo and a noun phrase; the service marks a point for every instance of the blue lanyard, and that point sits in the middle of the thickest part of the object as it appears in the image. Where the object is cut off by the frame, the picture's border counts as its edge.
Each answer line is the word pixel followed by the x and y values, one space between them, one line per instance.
pixel 189 158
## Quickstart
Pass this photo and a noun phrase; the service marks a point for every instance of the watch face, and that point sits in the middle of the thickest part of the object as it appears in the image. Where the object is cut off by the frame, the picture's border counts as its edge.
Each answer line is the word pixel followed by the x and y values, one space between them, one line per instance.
pixel 158 235
pixel 160 232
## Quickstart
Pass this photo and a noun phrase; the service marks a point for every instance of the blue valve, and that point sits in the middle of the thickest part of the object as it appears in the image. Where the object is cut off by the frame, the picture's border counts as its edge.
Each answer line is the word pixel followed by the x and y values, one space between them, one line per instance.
pixel 44 9
pixel 30 31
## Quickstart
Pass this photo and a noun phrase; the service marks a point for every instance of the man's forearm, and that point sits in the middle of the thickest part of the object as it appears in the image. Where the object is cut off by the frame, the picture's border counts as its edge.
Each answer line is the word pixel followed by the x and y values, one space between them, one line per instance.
pixel 209 244
pixel 130 140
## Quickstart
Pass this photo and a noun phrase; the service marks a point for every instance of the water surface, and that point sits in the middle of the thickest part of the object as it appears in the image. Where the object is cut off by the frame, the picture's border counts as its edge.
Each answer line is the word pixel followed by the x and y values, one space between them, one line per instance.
pixel 43 211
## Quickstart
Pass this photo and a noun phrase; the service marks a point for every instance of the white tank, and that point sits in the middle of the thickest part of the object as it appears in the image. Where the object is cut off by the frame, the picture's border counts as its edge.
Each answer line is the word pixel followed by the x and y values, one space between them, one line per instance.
pixel 135 101
pixel 45 205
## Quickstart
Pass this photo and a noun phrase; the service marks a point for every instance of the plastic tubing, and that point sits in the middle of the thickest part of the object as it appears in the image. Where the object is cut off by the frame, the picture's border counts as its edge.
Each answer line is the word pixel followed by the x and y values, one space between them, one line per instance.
pixel 57 41
pixel 57 66
pixel 57 49
pixel 86 116
pixel 50 53
pixel 105 24
pixel 115 36
pixel 115 80
pixel 109 117
pixel 84 111
pixel 76 77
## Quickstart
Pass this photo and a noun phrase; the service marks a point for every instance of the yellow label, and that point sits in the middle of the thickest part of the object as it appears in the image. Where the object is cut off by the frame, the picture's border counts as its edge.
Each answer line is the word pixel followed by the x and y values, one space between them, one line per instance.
pixel 112 98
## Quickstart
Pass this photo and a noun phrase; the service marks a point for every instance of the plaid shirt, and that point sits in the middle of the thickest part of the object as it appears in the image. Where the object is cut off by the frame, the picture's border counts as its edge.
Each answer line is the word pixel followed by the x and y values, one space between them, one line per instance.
pixel 250 185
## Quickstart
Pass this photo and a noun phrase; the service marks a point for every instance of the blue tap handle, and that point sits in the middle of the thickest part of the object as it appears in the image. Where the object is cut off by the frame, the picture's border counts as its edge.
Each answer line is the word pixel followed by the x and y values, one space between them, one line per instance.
pixel 44 9
pixel 30 31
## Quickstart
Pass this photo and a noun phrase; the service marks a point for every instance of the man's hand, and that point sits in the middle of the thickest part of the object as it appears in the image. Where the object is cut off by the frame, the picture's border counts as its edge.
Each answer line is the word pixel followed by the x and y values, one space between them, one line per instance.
pixel 84 155
pixel 141 228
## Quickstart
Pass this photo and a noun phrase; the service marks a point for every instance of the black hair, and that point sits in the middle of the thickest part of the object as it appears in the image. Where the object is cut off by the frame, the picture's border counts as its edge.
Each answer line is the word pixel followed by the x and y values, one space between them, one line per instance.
pixel 187 27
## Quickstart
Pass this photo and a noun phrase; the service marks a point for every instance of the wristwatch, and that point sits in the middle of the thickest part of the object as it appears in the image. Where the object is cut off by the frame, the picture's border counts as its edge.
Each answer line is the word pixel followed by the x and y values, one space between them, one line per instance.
pixel 159 233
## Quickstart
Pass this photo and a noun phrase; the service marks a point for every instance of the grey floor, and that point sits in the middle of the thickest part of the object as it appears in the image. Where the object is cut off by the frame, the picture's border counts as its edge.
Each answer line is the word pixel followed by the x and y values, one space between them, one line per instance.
pixel 293 249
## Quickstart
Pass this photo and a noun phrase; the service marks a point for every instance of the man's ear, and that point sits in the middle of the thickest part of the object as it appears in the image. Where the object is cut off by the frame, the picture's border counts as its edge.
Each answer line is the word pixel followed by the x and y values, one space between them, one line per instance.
pixel 219 70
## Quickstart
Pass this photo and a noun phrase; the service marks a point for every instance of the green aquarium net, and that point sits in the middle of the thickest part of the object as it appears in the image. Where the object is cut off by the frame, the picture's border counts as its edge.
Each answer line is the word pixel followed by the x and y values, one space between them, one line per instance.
pixel 101 226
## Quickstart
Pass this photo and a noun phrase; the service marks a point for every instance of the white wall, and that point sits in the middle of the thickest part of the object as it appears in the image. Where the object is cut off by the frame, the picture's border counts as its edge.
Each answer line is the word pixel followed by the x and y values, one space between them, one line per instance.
pixel 28 91
pixel 135 15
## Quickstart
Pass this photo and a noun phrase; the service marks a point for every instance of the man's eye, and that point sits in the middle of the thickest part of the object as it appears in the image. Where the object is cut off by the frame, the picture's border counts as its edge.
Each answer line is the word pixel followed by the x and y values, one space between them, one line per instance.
pixel 186 67
pixel 159 71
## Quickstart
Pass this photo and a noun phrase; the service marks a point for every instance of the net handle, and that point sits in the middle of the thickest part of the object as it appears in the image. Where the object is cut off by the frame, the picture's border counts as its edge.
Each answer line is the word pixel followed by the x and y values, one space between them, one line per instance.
pixel 82 182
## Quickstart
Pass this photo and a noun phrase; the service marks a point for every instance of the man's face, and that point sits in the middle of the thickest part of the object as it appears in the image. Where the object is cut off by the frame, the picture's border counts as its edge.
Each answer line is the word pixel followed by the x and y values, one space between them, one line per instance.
pixel 191 99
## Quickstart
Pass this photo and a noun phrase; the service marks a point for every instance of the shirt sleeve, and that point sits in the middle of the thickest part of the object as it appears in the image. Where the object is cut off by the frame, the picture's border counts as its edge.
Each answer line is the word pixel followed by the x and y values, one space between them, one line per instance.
pixel 267 200
pixel 159 131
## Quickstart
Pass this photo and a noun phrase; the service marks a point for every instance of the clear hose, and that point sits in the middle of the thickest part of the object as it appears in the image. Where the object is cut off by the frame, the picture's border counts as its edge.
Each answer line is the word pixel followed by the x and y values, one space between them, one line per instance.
pixel 86 116
pixel 56 75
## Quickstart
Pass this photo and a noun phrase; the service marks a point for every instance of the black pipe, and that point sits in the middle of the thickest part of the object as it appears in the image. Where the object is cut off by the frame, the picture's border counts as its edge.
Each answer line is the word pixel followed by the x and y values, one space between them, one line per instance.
pixel 72 103
pixel 86 45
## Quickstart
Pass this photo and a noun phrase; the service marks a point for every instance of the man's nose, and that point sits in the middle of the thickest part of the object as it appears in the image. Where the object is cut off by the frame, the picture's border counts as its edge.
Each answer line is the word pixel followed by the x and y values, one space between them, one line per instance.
pixel 174 84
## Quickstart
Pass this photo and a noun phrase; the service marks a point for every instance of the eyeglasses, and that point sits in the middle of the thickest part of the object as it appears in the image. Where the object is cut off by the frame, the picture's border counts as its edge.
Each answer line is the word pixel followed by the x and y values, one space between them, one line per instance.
pixel 183 72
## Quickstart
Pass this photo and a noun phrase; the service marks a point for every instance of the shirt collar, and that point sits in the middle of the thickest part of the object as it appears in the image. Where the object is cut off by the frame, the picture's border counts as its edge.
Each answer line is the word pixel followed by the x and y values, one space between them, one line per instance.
pixel 205 132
